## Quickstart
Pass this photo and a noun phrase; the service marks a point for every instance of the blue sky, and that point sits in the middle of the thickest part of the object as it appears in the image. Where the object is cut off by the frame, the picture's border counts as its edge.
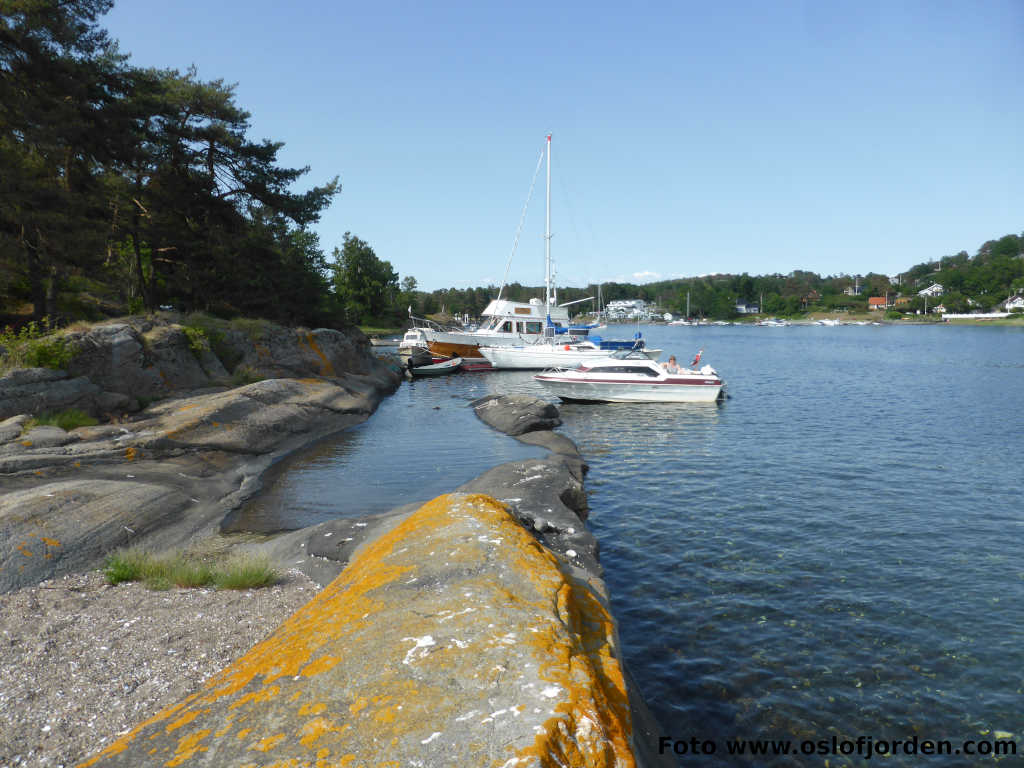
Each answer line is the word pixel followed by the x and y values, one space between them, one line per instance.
pixel 688 137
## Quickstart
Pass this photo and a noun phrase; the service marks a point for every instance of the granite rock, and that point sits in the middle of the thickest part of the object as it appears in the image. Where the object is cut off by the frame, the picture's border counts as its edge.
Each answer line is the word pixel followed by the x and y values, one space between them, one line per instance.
pixel 454 639
pixel 516 414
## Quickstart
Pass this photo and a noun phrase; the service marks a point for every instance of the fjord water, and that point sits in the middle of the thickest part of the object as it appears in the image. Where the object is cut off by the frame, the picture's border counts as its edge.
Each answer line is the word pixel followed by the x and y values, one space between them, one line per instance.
pixel 836 549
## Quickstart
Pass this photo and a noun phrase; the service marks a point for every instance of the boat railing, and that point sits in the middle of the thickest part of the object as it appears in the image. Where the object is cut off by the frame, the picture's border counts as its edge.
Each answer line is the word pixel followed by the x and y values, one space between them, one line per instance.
pixel 423 322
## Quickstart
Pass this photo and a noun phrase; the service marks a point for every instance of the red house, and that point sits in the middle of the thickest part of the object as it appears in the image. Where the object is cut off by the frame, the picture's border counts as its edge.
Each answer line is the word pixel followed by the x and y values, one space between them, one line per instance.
pixel 877 302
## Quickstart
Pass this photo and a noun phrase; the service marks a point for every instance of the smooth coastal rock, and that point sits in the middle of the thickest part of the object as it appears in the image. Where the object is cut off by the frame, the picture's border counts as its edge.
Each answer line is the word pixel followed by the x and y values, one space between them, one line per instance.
pixel 516 414
pixel 454 639
pixel 170 474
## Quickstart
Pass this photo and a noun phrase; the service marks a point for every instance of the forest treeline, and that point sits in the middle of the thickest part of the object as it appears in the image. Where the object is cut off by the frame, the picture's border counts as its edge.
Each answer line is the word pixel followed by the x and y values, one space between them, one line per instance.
pixel 970 283
pixel 127 189
pixel 130 189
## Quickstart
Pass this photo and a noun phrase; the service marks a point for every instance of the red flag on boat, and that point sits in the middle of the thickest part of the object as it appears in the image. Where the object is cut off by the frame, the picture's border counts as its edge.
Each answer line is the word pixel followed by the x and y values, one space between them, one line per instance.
pixel 697 358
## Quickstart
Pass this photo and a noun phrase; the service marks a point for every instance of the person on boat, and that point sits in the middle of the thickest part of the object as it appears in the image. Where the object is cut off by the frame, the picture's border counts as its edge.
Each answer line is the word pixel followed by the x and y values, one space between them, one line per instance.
pixel 671 366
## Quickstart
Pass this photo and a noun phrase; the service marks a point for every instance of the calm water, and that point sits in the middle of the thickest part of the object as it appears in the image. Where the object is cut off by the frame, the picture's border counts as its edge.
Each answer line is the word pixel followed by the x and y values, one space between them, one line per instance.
pixel 834 550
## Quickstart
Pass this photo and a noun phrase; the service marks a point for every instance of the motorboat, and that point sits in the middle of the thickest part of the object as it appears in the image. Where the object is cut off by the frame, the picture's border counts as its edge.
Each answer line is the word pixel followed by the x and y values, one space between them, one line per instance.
pixel 413 341
pixel 632 377
pixel 556 354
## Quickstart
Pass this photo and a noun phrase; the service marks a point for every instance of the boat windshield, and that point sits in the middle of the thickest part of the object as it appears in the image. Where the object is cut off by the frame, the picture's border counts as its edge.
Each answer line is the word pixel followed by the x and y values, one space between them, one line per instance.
pixel 628 354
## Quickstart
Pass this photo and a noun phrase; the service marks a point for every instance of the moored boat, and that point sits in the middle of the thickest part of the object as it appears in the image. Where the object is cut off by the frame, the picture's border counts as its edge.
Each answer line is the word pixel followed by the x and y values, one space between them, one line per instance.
pixel 632 377
pixel 449 365
pixel 550 354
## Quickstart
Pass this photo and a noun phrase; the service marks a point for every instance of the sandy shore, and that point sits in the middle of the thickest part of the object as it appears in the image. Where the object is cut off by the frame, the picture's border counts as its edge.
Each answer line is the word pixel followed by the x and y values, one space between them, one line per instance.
pixel 82 661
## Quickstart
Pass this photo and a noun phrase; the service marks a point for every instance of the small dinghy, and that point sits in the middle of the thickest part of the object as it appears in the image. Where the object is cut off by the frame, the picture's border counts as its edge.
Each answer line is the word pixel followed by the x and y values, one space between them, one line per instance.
pixel 423 364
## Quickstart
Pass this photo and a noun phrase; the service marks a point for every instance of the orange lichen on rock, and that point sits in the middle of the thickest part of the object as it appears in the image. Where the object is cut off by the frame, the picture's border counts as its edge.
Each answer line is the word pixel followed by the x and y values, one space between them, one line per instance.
pixel 326 367
pixel 453 639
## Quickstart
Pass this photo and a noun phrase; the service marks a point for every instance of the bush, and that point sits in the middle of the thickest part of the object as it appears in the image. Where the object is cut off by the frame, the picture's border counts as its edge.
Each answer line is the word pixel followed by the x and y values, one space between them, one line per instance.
pixel 197 340
pixel 66 420
pixel 36 345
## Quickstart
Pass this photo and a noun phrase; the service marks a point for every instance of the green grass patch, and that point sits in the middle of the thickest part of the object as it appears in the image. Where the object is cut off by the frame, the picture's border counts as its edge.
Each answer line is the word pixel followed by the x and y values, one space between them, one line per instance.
pixel 66 420
pixel 245 375
pixel 161 572
pixel 246 572
pixel 35 345
pixel 371 330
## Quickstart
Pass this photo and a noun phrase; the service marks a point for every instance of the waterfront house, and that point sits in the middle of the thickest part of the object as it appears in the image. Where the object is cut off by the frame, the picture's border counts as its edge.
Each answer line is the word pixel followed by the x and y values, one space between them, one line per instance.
pixel 1015 302
pixel 877 302
pixel 935 289
pixel 747 308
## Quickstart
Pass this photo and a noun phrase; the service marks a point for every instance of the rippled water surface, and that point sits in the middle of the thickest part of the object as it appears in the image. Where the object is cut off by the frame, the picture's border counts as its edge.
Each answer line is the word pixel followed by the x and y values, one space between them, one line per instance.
pixel 837 549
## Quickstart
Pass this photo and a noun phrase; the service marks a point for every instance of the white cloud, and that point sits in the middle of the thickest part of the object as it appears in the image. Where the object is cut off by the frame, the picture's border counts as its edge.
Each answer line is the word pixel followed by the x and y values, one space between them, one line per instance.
pixel 646 276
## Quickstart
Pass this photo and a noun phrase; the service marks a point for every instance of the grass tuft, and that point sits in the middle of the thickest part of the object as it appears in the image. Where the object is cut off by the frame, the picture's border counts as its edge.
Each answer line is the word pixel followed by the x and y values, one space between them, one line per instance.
pixel 161 572
pixel 246 572
pixel 66 420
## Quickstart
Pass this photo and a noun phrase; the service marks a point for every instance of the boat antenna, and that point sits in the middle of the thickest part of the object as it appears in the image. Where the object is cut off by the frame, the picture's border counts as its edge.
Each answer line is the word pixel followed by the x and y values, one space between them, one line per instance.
pixel 522 219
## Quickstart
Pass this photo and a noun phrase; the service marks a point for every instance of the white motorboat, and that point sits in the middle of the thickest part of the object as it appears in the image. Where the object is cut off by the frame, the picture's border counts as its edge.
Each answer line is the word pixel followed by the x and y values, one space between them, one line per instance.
pixel 632 377
pixel 413 341
pixel 553 354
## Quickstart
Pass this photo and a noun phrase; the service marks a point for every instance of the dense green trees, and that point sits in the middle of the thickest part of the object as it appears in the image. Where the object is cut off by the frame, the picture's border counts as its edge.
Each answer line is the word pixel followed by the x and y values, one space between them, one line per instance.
pixel 141 183
pixel 365 286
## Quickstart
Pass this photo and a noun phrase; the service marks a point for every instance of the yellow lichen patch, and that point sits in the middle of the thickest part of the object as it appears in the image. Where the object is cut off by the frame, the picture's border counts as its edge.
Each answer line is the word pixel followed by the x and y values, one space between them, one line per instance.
pixel 27 443
pixel 227 727
pixel 313 729
pixel 267 744
pixel 323 664
pixel 326 367
pixel 24 550
pixel 131 453
pixel 188 746
pixel 359 705
pixel 263 694
pixel 243 733
pixel 49 542
pixel 185 719
pixel 312 709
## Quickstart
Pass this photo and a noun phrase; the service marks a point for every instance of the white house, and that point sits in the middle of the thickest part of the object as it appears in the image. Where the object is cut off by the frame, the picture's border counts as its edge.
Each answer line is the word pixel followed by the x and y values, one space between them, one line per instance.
pixel 1017 302
pixel 932 290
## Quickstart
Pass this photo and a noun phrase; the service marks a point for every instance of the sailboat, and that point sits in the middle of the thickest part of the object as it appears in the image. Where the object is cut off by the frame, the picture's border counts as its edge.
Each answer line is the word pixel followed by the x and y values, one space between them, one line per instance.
pixel 549 350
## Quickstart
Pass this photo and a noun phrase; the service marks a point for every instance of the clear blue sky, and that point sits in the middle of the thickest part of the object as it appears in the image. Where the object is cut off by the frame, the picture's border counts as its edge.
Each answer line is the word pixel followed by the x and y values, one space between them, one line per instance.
pixel 688 137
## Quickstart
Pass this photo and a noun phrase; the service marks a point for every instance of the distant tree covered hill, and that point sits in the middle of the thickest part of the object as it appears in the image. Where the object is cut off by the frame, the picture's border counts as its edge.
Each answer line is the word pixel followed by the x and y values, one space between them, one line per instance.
pixel 986 279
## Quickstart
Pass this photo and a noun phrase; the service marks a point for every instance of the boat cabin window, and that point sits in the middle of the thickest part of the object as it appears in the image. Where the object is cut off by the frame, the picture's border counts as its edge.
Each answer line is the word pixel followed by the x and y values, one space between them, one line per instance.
pixel 506 327
pixel 639 370
pixel 533 327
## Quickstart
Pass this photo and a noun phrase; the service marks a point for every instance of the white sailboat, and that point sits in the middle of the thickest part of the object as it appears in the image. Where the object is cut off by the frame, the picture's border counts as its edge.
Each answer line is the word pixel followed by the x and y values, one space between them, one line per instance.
pixel 549 350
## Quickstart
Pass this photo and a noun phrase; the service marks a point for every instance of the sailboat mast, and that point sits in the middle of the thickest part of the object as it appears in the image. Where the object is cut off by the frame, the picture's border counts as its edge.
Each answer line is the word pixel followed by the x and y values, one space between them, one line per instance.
pixel 547 241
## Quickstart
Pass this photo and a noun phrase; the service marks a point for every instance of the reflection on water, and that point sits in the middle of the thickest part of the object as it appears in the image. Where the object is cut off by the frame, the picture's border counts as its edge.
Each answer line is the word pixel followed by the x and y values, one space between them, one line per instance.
pixel 422 441
pixel 836 549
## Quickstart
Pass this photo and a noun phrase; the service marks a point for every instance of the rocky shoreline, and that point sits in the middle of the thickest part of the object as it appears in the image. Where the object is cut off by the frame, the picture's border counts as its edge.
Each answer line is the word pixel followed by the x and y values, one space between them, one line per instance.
pixel 84 661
